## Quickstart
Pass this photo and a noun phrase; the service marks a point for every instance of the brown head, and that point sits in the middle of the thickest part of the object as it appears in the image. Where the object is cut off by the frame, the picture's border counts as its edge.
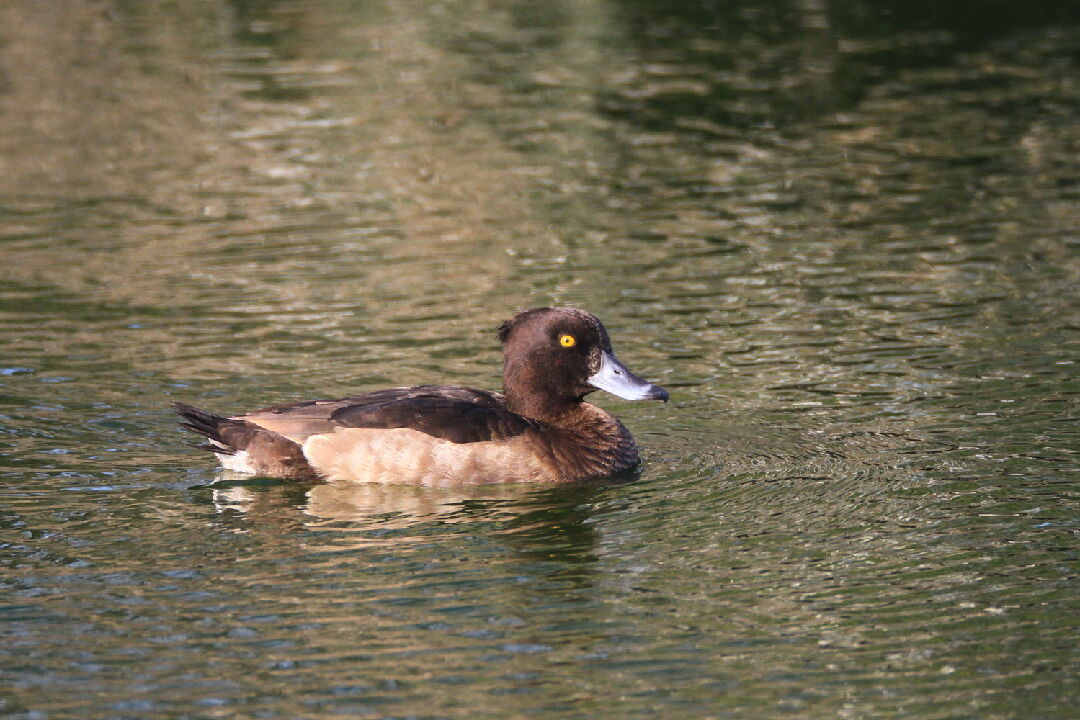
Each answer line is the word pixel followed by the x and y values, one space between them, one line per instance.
pixel 554 357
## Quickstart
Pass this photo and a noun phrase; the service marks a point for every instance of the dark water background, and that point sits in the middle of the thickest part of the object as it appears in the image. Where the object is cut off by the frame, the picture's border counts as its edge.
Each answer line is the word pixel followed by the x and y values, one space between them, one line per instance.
pixel 845 234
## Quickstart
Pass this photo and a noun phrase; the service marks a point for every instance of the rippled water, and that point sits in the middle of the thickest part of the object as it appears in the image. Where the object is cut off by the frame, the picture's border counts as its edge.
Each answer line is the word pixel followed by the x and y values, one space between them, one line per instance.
pixel 844 234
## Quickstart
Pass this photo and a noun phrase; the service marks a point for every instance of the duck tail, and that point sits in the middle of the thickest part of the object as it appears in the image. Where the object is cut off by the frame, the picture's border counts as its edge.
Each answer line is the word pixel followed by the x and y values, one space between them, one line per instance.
pixel 246 447
pixel 206 424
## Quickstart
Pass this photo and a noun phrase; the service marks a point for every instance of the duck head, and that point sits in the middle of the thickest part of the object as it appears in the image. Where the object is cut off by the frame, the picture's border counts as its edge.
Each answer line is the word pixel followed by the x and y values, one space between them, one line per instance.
pixel 554 357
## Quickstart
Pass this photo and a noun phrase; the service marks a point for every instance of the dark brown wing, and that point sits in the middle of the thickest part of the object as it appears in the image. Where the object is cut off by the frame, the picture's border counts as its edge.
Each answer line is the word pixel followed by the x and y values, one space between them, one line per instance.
pixel 448 418
pixel 457 414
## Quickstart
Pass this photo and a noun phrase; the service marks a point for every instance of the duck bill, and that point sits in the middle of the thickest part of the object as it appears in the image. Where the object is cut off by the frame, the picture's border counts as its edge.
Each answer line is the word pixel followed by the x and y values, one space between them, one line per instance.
pixel 615 378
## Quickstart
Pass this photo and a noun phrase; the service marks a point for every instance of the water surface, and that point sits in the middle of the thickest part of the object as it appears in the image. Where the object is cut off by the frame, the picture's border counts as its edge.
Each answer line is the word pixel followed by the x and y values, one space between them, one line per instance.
pixel 843 234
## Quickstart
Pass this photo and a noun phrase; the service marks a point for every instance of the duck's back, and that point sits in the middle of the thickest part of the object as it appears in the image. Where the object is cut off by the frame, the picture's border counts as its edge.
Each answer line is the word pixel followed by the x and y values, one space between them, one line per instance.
pixel 457 414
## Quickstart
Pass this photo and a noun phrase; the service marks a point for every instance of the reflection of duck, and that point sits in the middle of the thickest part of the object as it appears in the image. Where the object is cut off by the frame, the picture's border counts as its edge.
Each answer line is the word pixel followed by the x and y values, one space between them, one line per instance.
pixel 540 429
pixel 540 523
pixel 403 506
pixel 544 523
pixel 369 505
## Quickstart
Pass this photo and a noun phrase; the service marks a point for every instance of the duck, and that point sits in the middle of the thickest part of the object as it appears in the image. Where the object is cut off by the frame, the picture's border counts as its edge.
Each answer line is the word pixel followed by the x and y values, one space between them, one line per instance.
pixel 538 429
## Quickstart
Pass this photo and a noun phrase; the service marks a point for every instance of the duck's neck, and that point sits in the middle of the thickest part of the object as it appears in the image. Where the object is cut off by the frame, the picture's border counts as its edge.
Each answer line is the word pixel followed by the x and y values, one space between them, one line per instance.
pixel 548 410
pixel 575 415
pixel 533 392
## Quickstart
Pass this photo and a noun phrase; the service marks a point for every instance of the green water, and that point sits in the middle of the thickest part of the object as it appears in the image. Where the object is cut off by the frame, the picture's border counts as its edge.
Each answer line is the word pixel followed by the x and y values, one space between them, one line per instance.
pixel 845 235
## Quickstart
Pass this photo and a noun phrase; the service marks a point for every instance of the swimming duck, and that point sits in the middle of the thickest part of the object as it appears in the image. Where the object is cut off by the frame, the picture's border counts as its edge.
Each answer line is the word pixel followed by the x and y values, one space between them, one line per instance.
pixel 539 429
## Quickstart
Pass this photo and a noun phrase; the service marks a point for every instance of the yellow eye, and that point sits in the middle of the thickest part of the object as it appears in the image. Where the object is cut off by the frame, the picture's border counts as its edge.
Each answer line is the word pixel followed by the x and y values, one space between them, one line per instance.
pixel 567 341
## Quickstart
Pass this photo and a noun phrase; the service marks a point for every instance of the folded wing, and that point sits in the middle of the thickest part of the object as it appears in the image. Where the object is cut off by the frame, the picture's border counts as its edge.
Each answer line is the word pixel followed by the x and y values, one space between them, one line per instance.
pixel 456 414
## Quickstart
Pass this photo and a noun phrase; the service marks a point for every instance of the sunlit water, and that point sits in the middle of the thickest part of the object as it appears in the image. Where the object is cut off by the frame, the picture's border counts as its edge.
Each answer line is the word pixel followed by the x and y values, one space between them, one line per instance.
pixel 843 234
